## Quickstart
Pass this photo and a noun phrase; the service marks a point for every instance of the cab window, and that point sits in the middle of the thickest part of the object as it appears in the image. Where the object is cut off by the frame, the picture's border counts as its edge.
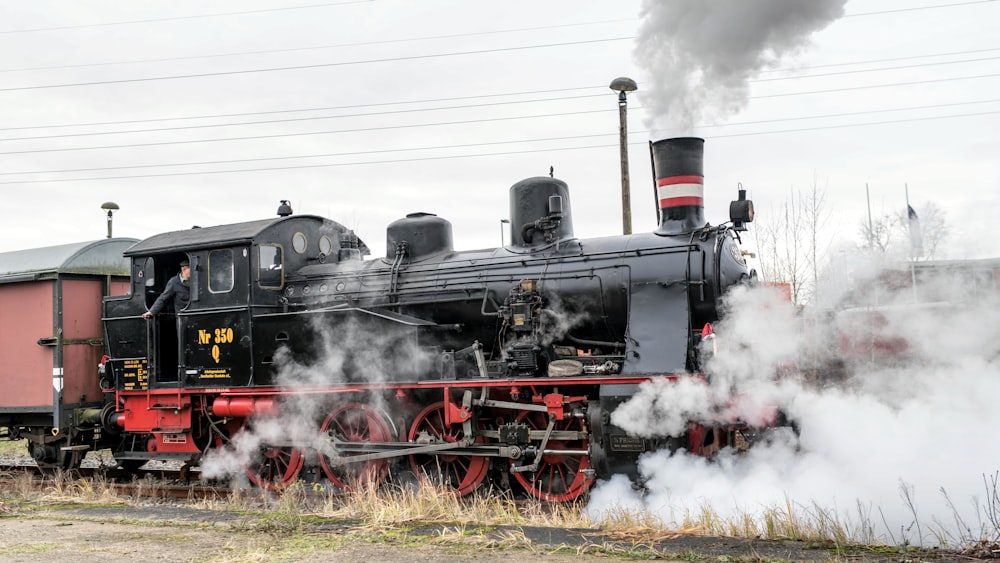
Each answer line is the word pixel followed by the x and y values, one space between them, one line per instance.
pixel 270 270
pixel 220 271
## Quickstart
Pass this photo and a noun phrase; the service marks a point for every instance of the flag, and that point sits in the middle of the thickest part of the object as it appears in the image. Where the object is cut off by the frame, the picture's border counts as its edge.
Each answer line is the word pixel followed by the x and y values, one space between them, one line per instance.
pixel 916 240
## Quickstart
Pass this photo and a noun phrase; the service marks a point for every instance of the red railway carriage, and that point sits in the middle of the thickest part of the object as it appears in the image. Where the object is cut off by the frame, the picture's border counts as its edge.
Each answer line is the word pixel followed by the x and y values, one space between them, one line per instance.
pixel 51 341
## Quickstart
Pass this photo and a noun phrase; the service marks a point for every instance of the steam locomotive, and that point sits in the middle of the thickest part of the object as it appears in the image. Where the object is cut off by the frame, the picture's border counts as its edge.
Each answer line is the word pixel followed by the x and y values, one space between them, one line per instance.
pixel 491 367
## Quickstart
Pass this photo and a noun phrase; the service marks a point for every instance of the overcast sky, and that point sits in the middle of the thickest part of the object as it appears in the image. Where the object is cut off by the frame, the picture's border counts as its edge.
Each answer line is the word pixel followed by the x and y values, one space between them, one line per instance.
pixel 366 111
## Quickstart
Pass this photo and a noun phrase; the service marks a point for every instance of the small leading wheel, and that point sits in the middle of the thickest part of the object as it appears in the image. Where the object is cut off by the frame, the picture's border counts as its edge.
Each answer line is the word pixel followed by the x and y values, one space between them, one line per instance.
pixel 459 473
pixel 355 422
pixel 276 467
pixel 560 477
pixel 272 467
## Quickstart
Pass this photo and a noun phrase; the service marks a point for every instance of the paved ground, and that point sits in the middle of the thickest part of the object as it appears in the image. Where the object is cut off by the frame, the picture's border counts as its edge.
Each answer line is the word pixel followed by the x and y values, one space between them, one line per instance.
pixel 172 533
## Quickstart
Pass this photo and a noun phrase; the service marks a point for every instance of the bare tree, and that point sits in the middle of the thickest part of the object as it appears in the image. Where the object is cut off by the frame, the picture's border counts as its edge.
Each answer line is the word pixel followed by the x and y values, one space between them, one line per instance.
pixel 889 234
pixel 879 234
pixel 815 217
pixel 779 240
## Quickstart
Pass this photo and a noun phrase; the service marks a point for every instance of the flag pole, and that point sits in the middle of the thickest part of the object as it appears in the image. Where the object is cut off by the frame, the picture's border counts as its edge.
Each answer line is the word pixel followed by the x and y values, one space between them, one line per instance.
pixel 871 233
pixel 913 257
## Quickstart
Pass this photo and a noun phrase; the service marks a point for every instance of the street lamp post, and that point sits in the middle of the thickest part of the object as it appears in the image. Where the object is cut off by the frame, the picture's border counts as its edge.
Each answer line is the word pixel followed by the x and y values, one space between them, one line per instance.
pixel 623 85
pixel 110 207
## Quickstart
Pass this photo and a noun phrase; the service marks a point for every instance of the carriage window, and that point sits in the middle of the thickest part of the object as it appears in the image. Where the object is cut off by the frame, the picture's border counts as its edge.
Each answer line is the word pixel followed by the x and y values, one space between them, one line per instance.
pixel 270 271
pixel 220 271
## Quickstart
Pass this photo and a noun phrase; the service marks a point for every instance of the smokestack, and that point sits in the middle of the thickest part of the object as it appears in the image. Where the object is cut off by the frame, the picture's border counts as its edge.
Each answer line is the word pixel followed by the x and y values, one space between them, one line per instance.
pixel 678 170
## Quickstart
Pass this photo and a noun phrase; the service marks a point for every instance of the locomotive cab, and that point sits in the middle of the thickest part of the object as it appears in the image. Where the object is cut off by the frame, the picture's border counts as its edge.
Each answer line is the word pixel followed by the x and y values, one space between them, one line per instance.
pixel 237 272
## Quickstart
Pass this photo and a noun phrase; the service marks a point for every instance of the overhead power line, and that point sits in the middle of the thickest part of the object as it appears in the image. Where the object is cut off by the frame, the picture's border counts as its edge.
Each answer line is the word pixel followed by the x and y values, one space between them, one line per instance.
pixel 849 125
pixel 295 119
pixel 876 61
pixel 880 69
pixel 449 157
pixel 318 47
pixel 456 98
pixel 870 86
pixel 319 155
pixel 465 122
pixel 916 8
pixel 477 144
pixel 311 66
pixel 308 133
pixel 731 124
pixel 190 17
pixel 346 2
pixel 324 108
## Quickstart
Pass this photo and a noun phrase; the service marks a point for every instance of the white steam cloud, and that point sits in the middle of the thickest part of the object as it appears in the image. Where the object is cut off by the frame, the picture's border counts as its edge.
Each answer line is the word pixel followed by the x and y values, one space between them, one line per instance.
pixel 353 349
pixel 700 55
pixel 896 443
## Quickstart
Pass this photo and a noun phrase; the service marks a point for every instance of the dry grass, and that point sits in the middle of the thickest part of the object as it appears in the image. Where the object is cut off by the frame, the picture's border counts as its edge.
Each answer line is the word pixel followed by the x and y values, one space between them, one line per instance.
pixel 16 447
pixel 392 512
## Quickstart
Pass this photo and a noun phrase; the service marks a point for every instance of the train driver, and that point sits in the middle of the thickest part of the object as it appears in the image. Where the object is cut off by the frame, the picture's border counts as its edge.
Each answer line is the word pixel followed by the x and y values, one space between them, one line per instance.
pixel 177 293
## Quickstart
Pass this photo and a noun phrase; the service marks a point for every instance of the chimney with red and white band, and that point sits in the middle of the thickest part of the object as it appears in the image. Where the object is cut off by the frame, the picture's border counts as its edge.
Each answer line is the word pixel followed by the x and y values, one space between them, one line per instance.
pixel 680 192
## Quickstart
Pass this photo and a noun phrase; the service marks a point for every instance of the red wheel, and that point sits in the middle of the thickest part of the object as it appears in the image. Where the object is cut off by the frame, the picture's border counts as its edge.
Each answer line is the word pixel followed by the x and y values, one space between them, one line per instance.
pixel 270 467
pixel 560 477
pixel 276 467
pixel 355 422
pixel 460 473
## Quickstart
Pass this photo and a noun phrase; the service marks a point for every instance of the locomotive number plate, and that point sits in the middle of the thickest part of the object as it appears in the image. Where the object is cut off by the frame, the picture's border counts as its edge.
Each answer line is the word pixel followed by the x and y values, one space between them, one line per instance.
pixel 623 443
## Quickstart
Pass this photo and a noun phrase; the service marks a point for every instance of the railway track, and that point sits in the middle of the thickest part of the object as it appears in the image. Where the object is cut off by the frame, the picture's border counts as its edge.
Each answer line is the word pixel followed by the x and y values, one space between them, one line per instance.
pixel 177 484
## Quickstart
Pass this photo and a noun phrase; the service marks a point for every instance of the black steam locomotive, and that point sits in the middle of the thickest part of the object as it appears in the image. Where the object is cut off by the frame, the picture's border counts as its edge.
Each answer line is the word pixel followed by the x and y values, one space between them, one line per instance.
pixel 499 365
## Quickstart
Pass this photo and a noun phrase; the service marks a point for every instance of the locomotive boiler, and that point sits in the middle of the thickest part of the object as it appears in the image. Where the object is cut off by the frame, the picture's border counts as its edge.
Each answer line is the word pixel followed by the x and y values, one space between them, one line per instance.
pixel 494 367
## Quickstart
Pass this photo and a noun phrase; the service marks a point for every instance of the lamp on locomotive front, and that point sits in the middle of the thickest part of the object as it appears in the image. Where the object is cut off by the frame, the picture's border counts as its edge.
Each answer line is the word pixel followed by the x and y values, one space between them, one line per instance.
pixel 622 85
pixel 110 207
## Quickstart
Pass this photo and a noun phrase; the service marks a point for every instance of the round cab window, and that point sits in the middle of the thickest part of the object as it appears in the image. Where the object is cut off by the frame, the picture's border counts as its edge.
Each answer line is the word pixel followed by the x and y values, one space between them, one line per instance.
pixel 325 245
pixel 299 242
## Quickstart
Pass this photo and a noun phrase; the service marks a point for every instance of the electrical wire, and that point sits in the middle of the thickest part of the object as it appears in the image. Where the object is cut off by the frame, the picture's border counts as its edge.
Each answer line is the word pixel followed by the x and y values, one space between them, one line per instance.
pixel 314 118
pixel 435 100
pixel 440 147
pixel 329 132
pixel 880 69
pixel 295 119
pixel 179 18
pixel 276 135
pixel 917 8
pixel 311 66
pixel 325 108
pixel 871 86
pixel 318 47
pixel 448 157
pixel 319 155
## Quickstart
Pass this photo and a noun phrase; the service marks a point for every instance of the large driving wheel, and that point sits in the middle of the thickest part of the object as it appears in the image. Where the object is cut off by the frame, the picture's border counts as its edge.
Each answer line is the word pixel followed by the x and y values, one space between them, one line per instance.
pixel 560 477
pixel 355 422
pixel 461 474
